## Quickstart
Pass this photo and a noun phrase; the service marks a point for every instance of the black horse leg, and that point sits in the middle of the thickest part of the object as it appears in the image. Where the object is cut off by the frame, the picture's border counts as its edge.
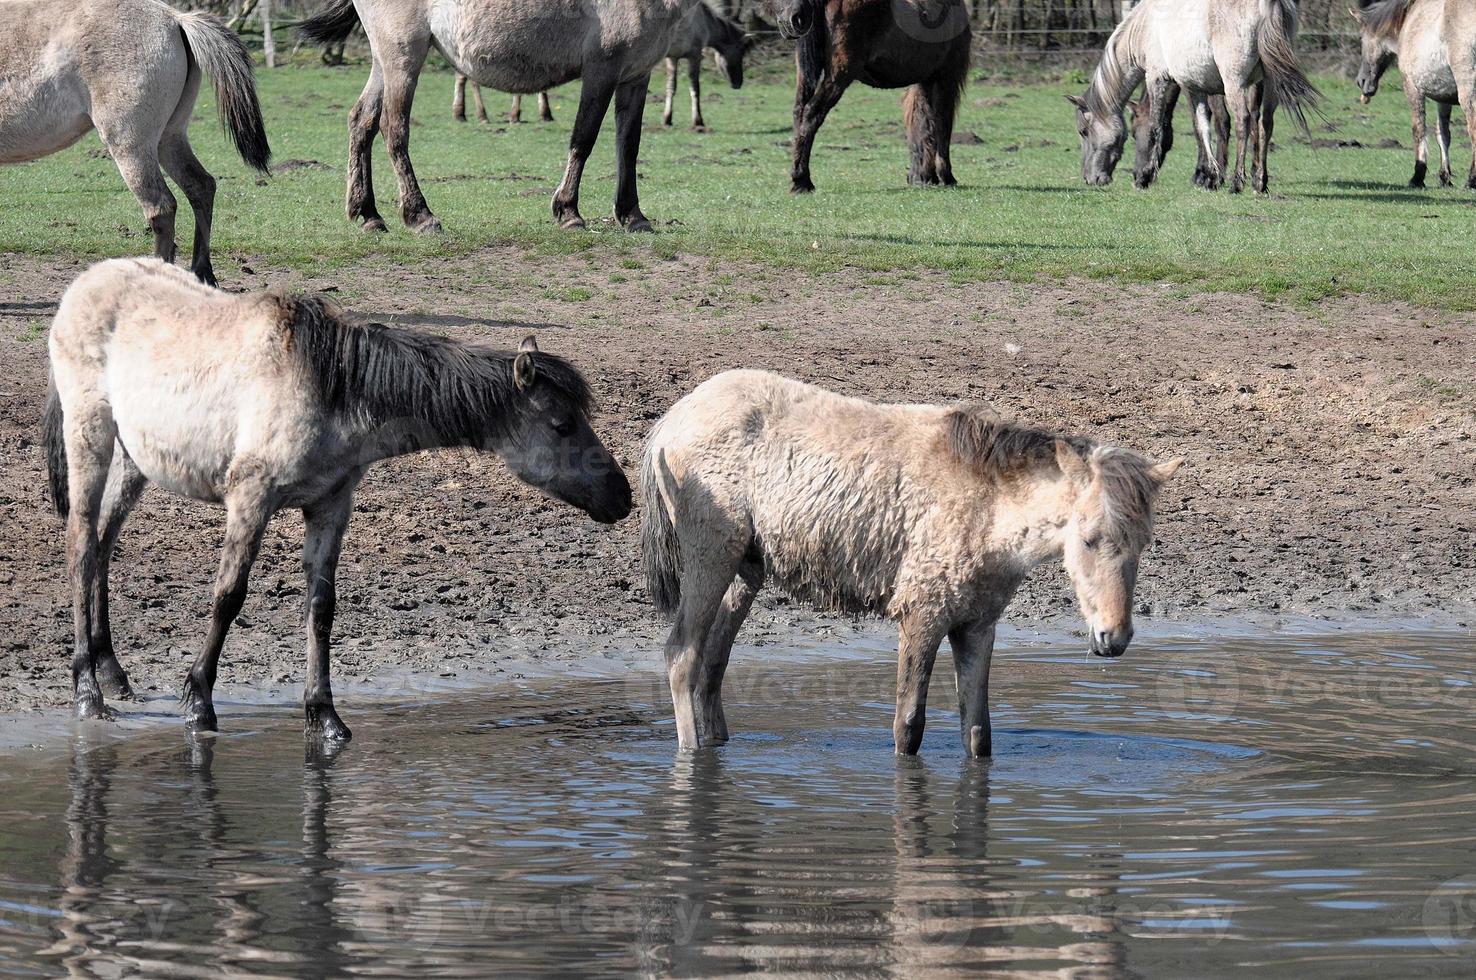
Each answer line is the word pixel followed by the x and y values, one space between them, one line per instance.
pixel 630 104
pixel 246 519
pixel 1160 109
pixel 594 102
pixel 321 547
pixel 809 116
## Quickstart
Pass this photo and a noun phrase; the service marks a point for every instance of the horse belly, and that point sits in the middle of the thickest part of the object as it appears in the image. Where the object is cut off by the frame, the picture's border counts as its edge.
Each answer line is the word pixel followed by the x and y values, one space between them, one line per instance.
pixel 43 109
pixel 531 48
pixel 180 433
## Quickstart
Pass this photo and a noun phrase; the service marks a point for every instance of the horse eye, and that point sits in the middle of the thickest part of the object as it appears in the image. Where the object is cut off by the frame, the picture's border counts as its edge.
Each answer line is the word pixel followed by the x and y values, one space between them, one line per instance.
pixel 1091 543
pixel 564 427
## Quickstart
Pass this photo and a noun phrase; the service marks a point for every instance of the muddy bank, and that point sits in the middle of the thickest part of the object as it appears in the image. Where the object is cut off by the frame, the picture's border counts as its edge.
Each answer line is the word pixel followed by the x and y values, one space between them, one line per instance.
pixel 1330 451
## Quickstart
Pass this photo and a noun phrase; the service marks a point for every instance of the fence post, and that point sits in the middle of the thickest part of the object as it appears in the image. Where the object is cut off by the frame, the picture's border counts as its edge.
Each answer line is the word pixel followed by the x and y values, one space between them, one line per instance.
pixel 268 43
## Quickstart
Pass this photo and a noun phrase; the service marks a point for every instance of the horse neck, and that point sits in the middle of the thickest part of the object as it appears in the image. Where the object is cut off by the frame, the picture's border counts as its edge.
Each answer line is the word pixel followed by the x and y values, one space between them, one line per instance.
pixel 1031 512
pixel 1120 70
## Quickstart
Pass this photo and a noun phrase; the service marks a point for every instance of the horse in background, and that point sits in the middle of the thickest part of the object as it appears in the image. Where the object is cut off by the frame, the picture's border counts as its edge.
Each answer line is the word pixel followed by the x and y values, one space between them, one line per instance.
pixel 704 28
pixel 922 45
pixel 265 401
pixel 517 47
pixel 458 104
pixel 132 70
pixel 1205 47
pixel 930 515
pixel 1143 118
pixel 1434 42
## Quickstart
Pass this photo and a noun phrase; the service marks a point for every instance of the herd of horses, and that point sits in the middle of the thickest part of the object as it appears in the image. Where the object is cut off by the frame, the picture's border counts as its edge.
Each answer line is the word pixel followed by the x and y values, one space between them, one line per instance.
pixel 932 515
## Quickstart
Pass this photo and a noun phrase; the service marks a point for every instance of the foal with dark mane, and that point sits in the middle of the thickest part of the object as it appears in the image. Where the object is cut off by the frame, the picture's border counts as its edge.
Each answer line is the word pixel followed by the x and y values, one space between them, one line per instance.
pixel 922 45
pixel 261 402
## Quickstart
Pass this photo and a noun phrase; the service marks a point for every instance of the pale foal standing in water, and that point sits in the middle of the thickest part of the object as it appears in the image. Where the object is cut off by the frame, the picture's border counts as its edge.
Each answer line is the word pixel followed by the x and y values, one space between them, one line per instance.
pixel 930 515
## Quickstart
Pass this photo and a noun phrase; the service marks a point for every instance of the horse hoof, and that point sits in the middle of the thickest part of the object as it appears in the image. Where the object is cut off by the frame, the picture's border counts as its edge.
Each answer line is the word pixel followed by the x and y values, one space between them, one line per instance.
pixel 90 707
pixel 637 226
pixel 323 724
pixel 375 224
pixel 201 718
pixel 802 186
pixel 428 225
pixel 1417 183
pixel 1447 180
pixel 571 223
pixel 116 685
pixel 1471 183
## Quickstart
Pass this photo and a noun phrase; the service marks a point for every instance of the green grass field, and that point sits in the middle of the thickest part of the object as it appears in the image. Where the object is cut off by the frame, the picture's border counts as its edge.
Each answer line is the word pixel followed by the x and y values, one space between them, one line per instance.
pixel 1338 219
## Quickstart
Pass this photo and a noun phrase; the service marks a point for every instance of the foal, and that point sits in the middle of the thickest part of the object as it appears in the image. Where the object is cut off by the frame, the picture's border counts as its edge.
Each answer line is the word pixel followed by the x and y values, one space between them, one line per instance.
pixel 930 515
pixel 265 401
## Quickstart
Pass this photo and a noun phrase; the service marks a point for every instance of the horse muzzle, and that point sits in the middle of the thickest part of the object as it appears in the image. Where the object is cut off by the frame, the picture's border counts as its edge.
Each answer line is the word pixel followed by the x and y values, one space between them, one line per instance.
pixel 1110 644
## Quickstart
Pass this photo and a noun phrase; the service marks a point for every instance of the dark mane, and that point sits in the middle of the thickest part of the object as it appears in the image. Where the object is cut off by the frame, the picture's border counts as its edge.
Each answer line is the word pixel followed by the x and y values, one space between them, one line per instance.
pixel 723 29
pixel 463 392
pixel 994 447
pixel 1384 18
pixel 997 449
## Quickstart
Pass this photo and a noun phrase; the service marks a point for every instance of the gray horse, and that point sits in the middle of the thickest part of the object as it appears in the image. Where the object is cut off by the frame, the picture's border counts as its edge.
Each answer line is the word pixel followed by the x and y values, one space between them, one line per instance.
pixel 516 47
pixel 131 69
pixel 264 401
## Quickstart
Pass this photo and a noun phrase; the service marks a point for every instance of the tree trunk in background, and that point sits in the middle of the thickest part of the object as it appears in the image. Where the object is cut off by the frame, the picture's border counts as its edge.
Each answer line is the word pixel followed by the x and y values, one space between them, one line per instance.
pixel 268 43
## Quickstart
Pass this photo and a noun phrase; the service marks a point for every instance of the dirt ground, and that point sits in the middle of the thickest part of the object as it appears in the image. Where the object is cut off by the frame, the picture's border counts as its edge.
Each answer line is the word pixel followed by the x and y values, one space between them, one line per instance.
pixel 1329 456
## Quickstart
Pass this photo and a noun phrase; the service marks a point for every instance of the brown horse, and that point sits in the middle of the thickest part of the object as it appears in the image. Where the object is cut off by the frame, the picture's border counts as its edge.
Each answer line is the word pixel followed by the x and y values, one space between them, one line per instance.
pixel 923 44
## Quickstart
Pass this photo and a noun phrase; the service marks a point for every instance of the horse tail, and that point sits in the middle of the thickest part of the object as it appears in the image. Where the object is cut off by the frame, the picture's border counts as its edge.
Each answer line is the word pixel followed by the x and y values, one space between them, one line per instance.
pixel 56 450
pixel 658 533
pixel 1274 37
pixel 222 55
pixel 331 25
pixel 813 50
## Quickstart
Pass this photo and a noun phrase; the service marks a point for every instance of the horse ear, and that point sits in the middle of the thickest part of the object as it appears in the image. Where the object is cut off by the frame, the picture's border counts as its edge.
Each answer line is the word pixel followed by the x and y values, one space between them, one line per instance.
pixel 1161 472
pixel 1355 14
pixel 1071 463
pixel 1077 101
pixel 524 372
pixel 529 344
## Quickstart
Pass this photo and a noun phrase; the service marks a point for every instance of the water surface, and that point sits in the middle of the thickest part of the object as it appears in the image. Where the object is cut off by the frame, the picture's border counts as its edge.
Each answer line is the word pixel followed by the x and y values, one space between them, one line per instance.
pixel 1303 807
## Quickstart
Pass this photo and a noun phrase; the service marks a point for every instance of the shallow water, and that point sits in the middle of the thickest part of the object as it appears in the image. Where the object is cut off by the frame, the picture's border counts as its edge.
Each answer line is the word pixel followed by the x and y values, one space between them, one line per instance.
pixel 1303 807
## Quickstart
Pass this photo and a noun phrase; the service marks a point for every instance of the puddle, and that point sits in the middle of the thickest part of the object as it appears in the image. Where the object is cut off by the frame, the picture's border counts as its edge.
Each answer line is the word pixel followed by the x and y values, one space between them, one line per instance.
pixel 1300 807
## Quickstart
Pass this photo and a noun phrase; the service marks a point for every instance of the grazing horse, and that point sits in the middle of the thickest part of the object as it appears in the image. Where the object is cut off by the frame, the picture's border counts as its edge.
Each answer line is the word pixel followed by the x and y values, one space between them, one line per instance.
pixel 265 401
pixel 1206 47
pixel 921 44
pixel 928 514
pixel 1434 42
pixel 517 47
pixel 1146 166
pixel 702 29
pixel 458 104
pixel 131 69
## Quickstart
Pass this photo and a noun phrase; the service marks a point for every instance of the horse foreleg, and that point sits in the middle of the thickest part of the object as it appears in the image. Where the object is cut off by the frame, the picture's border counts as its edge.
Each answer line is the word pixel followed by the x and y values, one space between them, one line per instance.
pixel 125 485
pixel 198 185
pixel 973 648
pixel 630 104
pixel 1161 101
pixel 1466 88
pixel 1214 172
pixel 247 513
pixel 703 587
pixel 1418 127
pixel 719 647
pixel 545 112
pixel 401 67
pixel 1239 103
pixel 458 99
pixel 594 101
pixel 322 545
pixel 694 82
pixel 363 127
pixel 1442 136
pixel 89 434
pixel 671 85
pixel 481 106
pixel 917 646
pixel 809 116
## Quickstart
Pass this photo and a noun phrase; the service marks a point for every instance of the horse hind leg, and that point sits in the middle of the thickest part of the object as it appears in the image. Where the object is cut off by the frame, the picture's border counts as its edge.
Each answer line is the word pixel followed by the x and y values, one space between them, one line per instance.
pixel 973 648
pixel 401 73
pixel 545 111
pixel 630 103
pixel 1214 171
pixel 1266 114
pixel 125 485
pixel 719 646
pixel 711 553
pixel 922 146
pixel 363 126
pixel 1239 102
pixel 89 434
pixel 247 513
pixel 199 188
pixel 1442 136
pixel 140 170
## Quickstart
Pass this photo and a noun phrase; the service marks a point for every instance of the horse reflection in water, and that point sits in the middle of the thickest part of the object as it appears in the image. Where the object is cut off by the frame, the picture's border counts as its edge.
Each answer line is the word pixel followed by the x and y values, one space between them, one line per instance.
pixel 724 893
pixel 108 922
